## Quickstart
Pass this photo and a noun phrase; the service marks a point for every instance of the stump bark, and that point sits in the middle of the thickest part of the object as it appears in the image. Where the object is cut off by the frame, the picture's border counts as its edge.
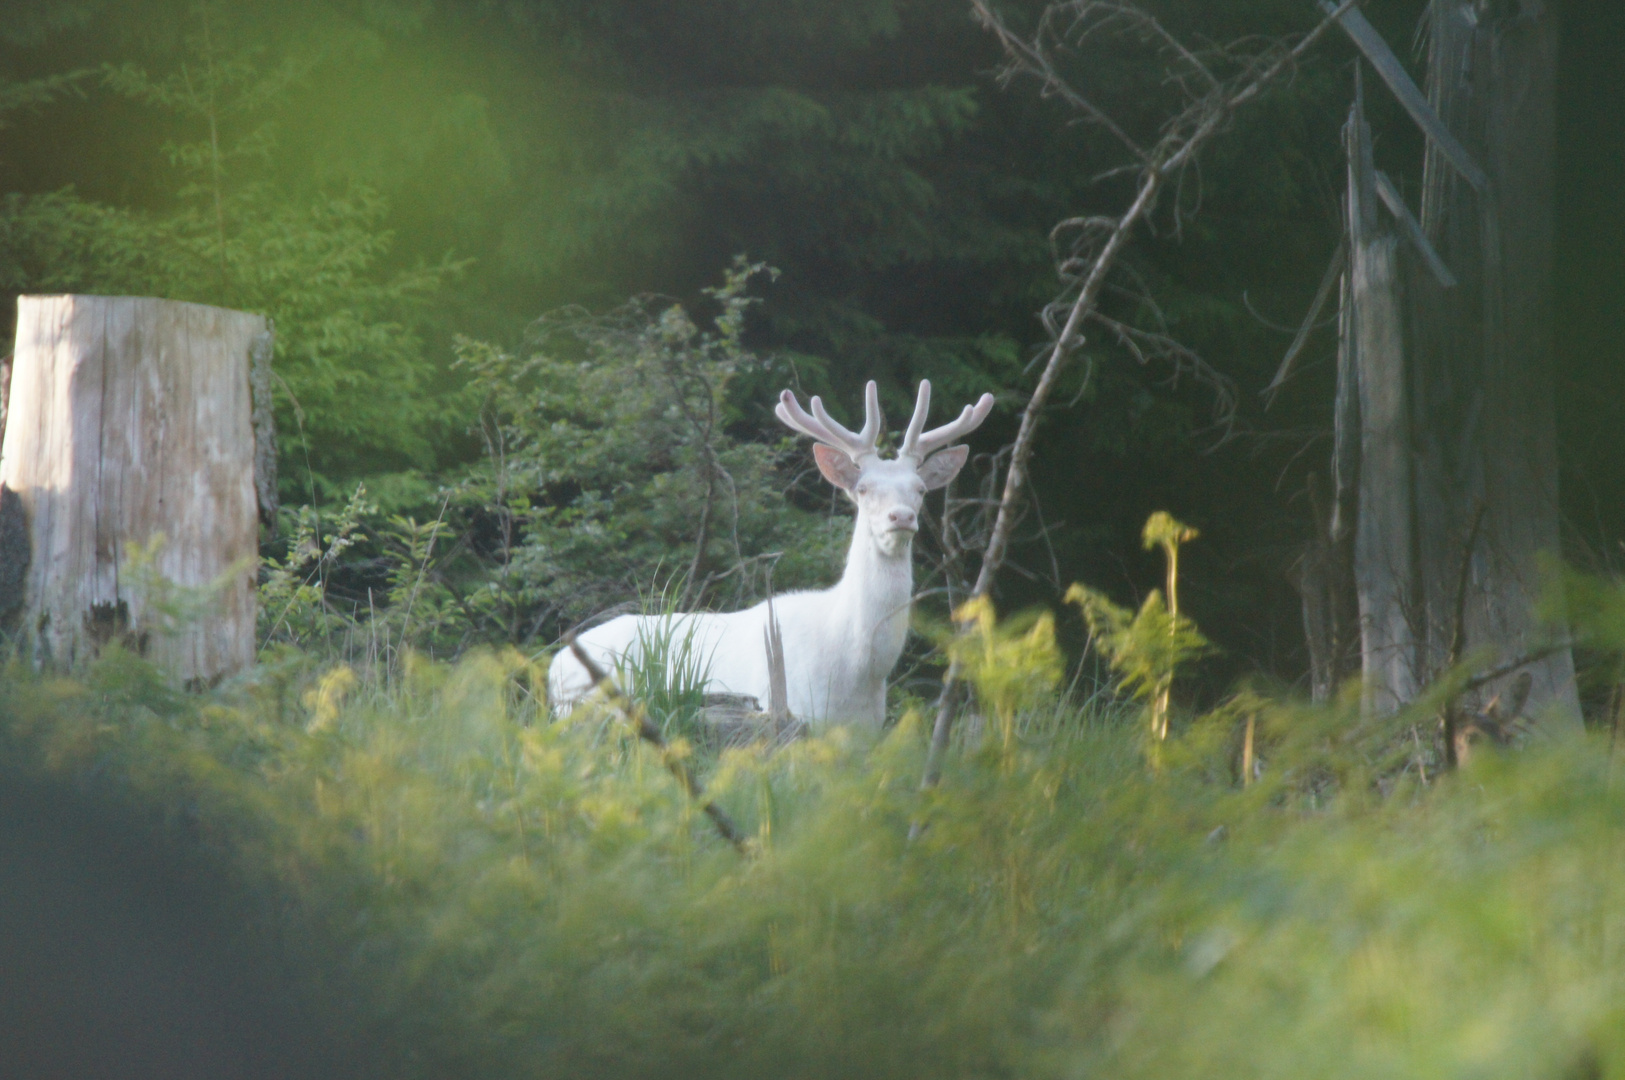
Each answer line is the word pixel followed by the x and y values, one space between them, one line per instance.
pixel 129 422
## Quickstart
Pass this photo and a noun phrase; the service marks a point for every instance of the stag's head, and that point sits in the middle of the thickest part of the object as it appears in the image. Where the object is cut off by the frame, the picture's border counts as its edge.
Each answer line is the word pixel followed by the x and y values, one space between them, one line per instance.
pixel 887 491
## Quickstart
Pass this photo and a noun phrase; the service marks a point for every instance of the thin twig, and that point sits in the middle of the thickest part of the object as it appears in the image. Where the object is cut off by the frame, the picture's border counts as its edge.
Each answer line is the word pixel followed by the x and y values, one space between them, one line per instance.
pixel 1038 63
pixel 1311 322
pixel 428 555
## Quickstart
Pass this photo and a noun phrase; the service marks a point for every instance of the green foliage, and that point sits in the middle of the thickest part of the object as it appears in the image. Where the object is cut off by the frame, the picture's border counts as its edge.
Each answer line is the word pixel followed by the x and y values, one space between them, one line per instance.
pixel 1163 530
pixel 303 603
pixel 612 463
pixel 421 610
pixel 490 893
pixel 611 458
pixel 1013 667
pixel 354 382
pixel 1143 647
pixel 293 603
pixel 745 146
pixel 1146 647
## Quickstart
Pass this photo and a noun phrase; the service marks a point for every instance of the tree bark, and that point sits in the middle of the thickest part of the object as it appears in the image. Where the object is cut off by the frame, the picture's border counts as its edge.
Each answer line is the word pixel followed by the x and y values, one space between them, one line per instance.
pixel 1325 580
pixel 1384 567
pixel 130 419
pixel 1481 385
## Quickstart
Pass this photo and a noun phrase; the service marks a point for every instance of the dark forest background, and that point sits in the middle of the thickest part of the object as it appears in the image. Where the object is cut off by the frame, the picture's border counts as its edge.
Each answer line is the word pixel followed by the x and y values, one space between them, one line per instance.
pixel 388 178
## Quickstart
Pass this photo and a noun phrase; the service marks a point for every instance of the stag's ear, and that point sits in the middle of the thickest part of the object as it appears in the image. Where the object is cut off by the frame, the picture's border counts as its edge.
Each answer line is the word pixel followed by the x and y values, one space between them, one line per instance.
pixel 837 468
pixel 940 469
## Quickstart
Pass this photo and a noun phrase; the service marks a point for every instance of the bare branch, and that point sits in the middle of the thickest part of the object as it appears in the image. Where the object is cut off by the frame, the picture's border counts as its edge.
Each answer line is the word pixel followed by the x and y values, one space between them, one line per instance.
pixel 1501 671
pixel 1031 58
pixel 1327 283
pixel 1149 346
pixel 1173 153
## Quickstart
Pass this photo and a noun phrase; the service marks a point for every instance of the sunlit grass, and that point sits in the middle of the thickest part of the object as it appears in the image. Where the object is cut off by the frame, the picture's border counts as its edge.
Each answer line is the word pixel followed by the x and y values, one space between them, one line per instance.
pixel 490 892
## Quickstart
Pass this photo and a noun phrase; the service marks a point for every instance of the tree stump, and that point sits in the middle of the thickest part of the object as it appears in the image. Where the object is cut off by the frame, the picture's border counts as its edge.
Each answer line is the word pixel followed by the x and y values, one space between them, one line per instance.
pixel 129 422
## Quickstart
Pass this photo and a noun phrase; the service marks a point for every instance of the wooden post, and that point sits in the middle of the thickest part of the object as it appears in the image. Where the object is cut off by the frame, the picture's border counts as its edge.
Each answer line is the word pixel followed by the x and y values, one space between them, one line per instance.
pixel 130 419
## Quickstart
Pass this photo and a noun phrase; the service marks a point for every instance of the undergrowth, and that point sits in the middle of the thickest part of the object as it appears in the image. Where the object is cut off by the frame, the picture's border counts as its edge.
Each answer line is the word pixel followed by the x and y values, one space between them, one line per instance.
pixel 484 892
pixel 468 886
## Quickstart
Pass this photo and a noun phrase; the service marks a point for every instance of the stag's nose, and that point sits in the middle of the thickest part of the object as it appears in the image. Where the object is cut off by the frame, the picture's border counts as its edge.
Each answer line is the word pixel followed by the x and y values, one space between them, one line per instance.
pixel 903 518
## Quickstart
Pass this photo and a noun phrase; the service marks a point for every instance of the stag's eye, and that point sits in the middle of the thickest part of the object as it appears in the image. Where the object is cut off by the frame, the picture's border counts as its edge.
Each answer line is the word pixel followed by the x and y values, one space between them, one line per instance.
pixel 863 489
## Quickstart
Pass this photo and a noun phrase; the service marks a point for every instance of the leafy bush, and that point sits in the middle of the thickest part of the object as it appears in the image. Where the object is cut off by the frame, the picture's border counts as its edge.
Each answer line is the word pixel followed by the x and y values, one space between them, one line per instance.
pixel 615 461
pixel 617 467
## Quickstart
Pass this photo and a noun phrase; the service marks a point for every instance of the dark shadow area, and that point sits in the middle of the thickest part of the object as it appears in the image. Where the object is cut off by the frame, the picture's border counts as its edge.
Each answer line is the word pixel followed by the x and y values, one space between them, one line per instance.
pixel 1590 285
pixel 123 957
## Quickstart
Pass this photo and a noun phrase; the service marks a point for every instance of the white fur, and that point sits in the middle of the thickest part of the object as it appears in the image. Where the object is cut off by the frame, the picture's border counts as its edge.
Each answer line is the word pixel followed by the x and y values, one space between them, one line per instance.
pixel 840 643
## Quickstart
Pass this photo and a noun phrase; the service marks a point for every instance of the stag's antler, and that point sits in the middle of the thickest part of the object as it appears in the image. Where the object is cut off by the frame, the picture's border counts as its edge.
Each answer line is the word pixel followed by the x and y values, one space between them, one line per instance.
pixel 856 445
pixel 920 445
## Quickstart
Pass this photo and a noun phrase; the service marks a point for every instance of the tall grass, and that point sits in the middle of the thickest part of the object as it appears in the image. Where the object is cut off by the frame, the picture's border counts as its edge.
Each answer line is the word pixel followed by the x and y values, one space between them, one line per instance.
pixel 485 892
pixel 667 672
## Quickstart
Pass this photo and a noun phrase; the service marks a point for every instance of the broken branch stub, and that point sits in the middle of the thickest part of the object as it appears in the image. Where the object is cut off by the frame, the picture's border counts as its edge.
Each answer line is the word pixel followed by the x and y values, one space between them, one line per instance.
pixel 1375 49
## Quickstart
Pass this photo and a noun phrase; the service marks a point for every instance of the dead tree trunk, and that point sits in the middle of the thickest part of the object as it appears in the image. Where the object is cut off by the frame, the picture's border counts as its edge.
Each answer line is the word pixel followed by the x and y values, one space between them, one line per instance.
pixel 1482 373
pixel 1384 570
pixel 1458 471
pixel 130 419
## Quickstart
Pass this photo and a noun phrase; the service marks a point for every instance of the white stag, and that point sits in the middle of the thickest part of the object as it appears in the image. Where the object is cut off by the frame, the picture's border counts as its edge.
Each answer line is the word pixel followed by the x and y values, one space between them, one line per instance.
pixel 839 644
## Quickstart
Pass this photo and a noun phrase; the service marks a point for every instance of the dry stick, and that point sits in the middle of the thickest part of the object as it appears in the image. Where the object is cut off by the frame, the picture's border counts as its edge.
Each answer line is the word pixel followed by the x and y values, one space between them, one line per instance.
pixel 1334 271
pixel 1458 633
pixel 702 536
pixel 1151 185
pixel 1535 656
pixel 650 734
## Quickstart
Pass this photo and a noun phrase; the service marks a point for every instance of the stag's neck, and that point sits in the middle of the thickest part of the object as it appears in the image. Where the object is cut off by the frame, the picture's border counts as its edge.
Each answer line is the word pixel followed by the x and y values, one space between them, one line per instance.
pixel 872 598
